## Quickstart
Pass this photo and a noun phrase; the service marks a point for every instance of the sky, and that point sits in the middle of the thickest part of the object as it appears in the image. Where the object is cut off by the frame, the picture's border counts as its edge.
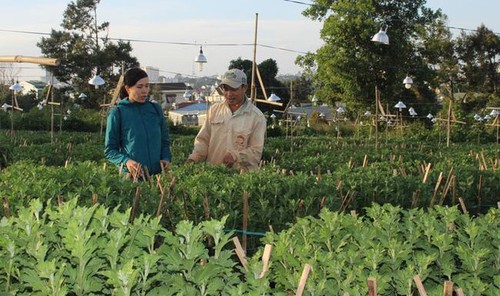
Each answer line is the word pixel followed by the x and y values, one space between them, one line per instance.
pixel 225 29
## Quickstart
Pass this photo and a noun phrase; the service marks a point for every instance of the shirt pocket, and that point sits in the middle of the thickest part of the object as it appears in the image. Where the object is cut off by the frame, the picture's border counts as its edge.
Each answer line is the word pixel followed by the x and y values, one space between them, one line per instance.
pixel 240 138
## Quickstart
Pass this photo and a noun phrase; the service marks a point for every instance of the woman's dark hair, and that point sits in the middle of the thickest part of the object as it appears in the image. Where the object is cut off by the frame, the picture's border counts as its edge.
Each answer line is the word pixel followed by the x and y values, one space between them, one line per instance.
pixel 130 79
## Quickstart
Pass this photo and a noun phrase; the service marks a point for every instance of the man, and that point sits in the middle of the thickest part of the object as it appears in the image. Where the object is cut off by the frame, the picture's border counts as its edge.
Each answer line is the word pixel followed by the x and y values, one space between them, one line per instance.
pixel 234 130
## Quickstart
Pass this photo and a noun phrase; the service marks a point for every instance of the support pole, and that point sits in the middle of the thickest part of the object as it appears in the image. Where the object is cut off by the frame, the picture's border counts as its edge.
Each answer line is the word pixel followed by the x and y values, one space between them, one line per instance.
pixel 252 87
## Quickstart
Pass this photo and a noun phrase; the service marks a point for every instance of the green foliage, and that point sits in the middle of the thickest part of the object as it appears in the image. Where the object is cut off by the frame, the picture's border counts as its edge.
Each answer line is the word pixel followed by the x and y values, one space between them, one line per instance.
pixel 390 244
pixel 79 49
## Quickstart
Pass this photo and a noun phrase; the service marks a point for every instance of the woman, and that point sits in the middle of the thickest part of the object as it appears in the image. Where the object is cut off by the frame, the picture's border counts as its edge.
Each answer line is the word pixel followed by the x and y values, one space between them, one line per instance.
pixel 137 136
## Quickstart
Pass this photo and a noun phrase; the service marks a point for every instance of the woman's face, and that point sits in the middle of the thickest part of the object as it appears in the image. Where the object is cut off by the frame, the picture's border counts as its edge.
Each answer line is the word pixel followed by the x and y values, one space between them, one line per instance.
pixel 139 91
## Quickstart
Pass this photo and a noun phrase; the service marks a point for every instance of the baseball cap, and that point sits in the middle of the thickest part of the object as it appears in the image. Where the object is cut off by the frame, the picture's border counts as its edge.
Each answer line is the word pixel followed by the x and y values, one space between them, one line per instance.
pixel 234 78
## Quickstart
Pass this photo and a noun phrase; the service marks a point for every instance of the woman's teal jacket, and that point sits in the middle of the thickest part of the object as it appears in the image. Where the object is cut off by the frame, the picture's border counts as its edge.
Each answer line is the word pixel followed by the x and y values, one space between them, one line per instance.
pixel 137 131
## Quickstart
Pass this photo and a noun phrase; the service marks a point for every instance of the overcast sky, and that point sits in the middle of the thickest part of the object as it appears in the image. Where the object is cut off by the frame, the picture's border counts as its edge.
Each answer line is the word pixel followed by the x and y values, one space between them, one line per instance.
pixel 224 28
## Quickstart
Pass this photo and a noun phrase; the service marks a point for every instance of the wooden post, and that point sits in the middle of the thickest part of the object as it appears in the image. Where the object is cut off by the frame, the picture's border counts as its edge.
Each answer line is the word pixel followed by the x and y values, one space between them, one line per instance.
pixel 459 292
pixel 372 286
pixel 265 259
pixel 436 189
pixel 426 175
pixel 240 253
pixel 448 288
pixel 162 195
pixel 303 279
pixel 245 219
pixel 6 208
pixel 254 64
pixel 420 286
pixel 462 204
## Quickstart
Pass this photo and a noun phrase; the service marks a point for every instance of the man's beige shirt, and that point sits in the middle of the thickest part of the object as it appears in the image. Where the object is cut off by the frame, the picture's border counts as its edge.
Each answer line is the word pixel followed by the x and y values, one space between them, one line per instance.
pixel 240 133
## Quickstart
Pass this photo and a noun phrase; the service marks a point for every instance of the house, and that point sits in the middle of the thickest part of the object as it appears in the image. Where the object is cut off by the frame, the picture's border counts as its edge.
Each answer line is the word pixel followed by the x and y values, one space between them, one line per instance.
pixel 189 113
pixel 171 93
pixel 33 87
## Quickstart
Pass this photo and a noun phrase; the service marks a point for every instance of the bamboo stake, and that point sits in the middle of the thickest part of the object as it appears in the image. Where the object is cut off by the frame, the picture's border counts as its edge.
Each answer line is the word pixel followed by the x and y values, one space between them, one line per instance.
pixel 447 186
pixel 135 205
pixel 372 286
pixel 206 206
pixel 60 200
pixel 415 198
pixel 240 253
pixel 426 174
pixel 420 286
pixel 480 190
pixel 94 198
pixel 303 279
pixel 462 204
pixel 436 188
pixel 448 288
pixel 265 259
pixel 485 165
pixel 6 208
pixel 245 219
pixel 365 161
pixel 162 195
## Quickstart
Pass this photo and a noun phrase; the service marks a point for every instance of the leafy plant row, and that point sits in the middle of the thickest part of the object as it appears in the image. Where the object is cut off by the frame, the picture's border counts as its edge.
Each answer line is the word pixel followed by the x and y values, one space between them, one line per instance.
pixel 67 249
pixel 276 198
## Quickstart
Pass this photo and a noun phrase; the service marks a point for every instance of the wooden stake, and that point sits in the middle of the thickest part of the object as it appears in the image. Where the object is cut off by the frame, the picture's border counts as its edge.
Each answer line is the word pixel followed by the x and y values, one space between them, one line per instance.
pixel 162 195
pixel 206 206
pixel 462 204
pixel 426 174
pixel 240 253
pixel 459 292
pixel 420 286
pixel 415 198
pixel 135 204
pixel 6 208
pixel 303 279
pixel 436 189
pixel 365 161
pixel 265 259
pixel 372 286
pixel 245 220
pixel 447 185
pixel 448 288
pixel 485 165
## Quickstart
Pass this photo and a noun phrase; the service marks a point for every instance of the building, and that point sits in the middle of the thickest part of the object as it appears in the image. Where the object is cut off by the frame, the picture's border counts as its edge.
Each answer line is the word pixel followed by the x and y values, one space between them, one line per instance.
pixel 171 94
pixel 33 87
pixel 190 113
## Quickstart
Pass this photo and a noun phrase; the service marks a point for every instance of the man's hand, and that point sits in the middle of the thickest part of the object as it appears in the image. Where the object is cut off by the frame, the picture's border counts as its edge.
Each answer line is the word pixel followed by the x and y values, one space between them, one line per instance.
pixel 228 159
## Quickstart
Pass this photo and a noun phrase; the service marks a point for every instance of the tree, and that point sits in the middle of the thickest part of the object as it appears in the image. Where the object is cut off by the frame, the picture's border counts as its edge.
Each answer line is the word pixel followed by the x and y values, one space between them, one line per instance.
pixel 478 54
pixel 84 49
pixel 268 71
pixel 349 66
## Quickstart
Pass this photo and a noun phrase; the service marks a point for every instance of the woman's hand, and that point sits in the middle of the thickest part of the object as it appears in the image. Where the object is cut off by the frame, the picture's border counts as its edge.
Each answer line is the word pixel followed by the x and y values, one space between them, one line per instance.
pixel 165 164
pixel 134 168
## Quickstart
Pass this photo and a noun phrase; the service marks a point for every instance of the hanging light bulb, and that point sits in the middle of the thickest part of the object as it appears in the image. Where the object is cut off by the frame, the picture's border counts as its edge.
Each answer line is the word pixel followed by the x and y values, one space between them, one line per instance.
pixel 200 59
pixel 381 37
pixel 96 81
pixel 273 98
pixel 408 81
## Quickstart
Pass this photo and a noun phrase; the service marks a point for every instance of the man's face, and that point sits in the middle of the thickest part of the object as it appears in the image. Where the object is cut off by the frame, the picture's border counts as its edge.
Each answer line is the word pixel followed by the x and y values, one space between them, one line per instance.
pixel 234 96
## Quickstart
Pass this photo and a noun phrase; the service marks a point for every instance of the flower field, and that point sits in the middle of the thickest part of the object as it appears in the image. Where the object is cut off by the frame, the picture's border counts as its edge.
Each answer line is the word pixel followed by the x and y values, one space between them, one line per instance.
pixel 346 210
